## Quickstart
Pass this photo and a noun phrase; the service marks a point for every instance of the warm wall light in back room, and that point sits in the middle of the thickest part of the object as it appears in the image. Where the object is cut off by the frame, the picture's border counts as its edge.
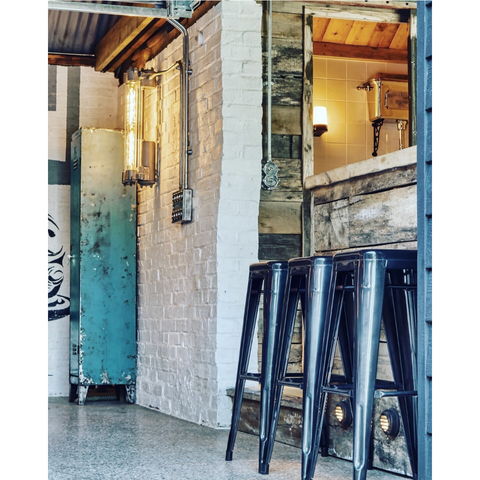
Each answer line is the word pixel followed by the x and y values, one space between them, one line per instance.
pixel 320 122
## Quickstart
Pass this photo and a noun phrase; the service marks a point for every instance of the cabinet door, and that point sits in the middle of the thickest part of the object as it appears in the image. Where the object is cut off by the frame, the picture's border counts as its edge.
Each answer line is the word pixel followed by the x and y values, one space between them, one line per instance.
pixel 107 263
pixel 74 255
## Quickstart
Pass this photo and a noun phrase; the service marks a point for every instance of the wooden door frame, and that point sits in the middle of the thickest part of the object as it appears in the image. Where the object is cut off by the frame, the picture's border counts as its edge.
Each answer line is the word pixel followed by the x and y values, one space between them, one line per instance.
pixel 378 11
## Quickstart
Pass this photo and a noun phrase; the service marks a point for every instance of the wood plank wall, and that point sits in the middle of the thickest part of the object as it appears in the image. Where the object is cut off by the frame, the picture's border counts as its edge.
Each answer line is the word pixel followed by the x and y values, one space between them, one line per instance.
pixel 280 213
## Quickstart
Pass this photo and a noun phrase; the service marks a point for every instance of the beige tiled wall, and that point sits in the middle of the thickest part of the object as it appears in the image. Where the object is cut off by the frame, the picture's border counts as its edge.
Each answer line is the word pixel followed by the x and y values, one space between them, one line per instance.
pixel 350 134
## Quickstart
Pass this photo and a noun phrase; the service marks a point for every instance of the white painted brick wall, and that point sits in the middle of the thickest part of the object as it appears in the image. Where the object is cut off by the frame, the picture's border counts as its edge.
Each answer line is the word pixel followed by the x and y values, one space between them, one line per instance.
pixel 98 108
pixel 192 278
pixel 57 119
pixel 241 177
pixel 98 99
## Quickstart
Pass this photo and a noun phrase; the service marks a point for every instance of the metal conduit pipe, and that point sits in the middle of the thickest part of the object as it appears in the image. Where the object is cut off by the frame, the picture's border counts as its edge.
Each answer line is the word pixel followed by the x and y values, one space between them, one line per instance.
pixel 270 178
pixel 126 11
pixel 185 72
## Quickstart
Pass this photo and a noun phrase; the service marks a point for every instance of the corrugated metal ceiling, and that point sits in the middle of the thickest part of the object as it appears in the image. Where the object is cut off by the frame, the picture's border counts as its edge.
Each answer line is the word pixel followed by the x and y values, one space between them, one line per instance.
pixel 75 32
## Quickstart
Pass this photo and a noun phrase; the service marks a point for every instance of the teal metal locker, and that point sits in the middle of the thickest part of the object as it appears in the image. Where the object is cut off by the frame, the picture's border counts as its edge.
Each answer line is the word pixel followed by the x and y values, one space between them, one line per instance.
pixel 102 266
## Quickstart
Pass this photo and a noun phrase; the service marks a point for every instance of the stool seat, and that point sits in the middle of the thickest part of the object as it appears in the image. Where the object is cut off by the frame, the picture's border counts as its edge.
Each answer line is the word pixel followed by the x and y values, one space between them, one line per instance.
pixel 366 287
pixel 267 278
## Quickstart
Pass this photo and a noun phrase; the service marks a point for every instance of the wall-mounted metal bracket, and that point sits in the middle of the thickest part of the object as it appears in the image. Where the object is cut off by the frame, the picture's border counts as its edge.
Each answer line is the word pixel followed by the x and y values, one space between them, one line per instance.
pixel 377 125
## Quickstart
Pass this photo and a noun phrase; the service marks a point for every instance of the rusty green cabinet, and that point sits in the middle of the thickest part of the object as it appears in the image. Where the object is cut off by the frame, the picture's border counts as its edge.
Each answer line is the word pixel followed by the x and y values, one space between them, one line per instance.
pixel 102 266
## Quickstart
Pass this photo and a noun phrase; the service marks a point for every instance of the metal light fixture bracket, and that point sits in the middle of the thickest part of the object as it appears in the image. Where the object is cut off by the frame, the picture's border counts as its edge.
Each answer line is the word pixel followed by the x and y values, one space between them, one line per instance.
pixel 377 125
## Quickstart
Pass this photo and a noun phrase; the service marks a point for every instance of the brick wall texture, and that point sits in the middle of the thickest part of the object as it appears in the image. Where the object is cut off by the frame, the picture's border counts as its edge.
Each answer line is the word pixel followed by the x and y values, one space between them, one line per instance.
pixel 192 278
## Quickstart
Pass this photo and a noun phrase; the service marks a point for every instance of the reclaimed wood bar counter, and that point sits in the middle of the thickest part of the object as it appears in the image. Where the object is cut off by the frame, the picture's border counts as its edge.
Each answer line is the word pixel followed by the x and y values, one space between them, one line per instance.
pixel 372 203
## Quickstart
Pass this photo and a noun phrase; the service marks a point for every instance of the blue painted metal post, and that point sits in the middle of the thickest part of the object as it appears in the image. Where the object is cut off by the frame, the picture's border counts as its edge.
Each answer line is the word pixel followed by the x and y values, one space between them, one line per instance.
pixel 424 209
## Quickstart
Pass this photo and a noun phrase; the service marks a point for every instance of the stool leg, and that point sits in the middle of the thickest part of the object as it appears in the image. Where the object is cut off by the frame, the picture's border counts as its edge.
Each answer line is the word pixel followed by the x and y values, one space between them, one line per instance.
pixel 332 321
pixel 272 308
pixel 370 284
pixel 346 331
pixel 314 325
pixel 399 316
pixel 294 284
pixel 249 320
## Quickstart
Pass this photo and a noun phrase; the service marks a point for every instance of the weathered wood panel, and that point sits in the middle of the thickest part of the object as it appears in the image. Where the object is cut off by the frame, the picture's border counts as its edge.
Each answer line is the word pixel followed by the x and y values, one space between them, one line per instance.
pixel 331 226
pixel 384 180
pixel 307 130
pixel 385 217
pixel 286 90
pixel 286 120
pixel 287 56
pixel 280 212
pixel 367 220
pixel 340 12
pixel 290 182
pixel 279 247
pixel 284 146
pixel 280 217
pixel 289 430
pixel 284 25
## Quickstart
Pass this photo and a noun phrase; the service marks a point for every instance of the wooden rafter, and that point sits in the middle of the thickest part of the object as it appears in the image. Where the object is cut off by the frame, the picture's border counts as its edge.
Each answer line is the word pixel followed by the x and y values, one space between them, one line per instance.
pixel 360 52
pixel 71 60
pixel 137 44
pixel 124 32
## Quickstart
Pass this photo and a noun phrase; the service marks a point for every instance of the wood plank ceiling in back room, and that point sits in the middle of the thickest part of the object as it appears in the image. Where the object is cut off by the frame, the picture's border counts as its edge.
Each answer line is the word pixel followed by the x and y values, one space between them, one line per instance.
pixel 361 39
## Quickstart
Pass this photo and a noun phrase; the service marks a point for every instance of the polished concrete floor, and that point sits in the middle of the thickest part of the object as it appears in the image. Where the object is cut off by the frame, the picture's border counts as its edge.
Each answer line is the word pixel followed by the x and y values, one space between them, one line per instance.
pixel 113 440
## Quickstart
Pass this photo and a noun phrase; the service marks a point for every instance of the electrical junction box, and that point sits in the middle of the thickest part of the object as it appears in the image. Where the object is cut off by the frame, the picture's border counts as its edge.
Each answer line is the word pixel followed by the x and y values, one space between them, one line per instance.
pixel 182 206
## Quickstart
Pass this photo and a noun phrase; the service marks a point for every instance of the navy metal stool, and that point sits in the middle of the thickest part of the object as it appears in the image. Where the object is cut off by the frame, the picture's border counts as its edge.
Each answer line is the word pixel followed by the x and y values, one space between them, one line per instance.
pixel 367 286
pixel 272 277
pixel 308 281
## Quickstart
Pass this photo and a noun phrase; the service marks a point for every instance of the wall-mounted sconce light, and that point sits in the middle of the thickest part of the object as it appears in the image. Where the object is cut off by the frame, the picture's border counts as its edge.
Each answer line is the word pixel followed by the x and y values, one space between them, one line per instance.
pixel 139 151
pixel 390 422
pixel 343 413
pixel 320 123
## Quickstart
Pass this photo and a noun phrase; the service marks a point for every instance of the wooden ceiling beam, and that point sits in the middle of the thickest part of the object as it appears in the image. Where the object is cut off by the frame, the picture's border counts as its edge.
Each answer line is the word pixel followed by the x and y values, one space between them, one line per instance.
pixel 124 32
pixel 380 4
pixel 360 52
pixel 136 44
pixel 160 38
pixel 71 60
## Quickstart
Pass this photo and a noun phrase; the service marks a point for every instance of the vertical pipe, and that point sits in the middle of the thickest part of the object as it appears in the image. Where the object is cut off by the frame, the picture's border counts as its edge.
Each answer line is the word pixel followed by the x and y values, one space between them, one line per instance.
pixel 412 79
pixel 269 86
pixel 185 68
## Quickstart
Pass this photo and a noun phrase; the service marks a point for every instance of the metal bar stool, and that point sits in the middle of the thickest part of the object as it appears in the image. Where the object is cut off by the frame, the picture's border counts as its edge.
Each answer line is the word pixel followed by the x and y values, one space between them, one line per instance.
pixel 366 286
pixel 272 277
pixel 308 281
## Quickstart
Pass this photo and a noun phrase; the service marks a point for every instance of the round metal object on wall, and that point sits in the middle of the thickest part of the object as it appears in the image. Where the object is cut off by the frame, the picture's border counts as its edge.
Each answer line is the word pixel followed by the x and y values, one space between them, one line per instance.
pixel 390 422
pixel 343 413
pixel 270 178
